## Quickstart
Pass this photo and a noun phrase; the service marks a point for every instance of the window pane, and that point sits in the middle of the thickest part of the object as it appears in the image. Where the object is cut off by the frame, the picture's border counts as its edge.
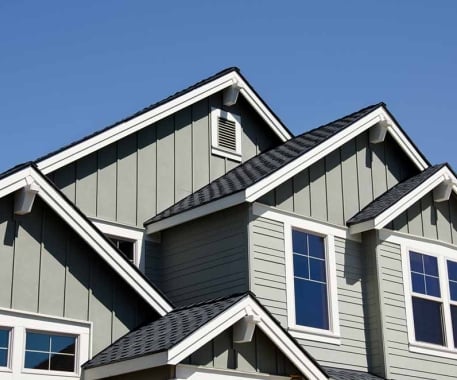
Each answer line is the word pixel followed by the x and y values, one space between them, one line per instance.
pixel 453 290
pixel 317 269
pixel 430 265
pixel 62 363
pixel 311 304
pixel 316 246
pixel 454 323
pixel 433 286
pixel 36 360
pixel 63 344
pixel 301 266
pixel 428 321
pixel 415 260
pixel 452 270
pixel 418 283
pixel 4 338
pixel 37 342
pixel 299 242
pixel 3 357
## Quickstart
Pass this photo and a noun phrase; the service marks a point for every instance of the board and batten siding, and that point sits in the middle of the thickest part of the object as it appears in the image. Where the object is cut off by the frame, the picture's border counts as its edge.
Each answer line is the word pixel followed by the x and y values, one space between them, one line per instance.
pixel 46 268
pixel 268 279
pixel 206 258
pixel 433 220
pixel 142 174
pixel 338 186
pixel 403 364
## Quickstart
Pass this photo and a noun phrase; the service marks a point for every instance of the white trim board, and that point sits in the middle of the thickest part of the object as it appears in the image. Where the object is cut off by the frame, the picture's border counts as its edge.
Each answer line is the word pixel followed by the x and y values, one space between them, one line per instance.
pixel 91 235
pixel 380 221
pixel 139 122
pixel 245 306
pixel 262 187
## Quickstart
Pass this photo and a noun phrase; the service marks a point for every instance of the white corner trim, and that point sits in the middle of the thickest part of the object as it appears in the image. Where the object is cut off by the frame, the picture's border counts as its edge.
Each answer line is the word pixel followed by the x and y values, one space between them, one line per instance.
pixel 197 212
pixel 442 175
pixel 126 128
pixel 91 235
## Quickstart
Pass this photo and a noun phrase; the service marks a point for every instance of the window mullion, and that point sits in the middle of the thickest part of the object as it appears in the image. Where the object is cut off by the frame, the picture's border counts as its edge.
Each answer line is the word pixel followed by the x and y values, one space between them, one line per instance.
pixel 444 284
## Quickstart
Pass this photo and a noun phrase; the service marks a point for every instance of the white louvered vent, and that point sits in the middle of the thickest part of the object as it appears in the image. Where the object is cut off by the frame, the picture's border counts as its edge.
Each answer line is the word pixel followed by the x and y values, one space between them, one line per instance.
pixel 226 133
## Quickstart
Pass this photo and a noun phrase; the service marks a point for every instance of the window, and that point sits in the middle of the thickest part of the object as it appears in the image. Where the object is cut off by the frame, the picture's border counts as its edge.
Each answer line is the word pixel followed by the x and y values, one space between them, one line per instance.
pixel 225 134
pixel 4 346
pixel 310 280
pixel 50 352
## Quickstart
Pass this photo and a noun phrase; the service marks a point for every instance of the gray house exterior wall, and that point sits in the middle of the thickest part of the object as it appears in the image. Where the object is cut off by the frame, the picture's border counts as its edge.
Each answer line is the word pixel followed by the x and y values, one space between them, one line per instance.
pixel 46 268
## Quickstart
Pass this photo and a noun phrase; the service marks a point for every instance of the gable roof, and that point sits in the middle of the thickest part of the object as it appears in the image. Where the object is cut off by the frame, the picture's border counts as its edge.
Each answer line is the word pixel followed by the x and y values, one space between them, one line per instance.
pixel 24 174
pixel 396 200
pixel 183 331
pixel 260 174
pixel 157 111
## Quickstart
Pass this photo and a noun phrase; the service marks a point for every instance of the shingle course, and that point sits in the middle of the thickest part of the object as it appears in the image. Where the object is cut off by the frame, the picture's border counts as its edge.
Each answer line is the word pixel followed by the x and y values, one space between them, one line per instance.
pixel 348 374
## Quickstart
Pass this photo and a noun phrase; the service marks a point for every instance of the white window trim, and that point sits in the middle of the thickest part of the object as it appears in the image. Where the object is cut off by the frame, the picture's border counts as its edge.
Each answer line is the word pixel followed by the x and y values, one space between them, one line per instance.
pixel 215 149
pixel 20 322
pixel 442 252
pixel 127 233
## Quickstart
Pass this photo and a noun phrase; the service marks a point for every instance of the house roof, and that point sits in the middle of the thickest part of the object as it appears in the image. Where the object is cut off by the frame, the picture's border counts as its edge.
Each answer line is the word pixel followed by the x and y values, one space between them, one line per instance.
pixel 349 374
pixel 190 327
pixel 392 196
pixel 262 165
pixel 160 110
pixel 21 175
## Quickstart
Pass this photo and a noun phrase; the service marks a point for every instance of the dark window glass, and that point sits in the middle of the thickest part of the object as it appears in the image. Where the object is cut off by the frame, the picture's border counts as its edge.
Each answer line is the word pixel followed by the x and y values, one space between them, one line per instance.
pixel 416 262
pixel 310 279
pixel 453 290
pixel 424 274
pixel 430 265
pixel 4 344
pixel 433 286
pixel 418 281
pixel 311 304
pixel 3 357
pixel 454 323
pixel 428 321
pixel 50 352
pixel 452 272
pixel 126 247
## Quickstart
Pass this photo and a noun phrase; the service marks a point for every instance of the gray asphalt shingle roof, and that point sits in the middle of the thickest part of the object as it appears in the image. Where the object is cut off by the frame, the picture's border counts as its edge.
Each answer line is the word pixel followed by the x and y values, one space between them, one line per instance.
pixel 392 196
pixel 262 165
pixel 349 374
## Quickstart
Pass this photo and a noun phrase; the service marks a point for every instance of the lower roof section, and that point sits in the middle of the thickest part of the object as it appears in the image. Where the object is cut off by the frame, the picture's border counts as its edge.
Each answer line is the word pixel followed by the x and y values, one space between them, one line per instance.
pixel 349 374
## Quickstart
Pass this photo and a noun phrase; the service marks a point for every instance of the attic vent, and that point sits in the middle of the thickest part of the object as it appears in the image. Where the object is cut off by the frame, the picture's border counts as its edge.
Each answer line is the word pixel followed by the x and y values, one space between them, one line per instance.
pixel 225 134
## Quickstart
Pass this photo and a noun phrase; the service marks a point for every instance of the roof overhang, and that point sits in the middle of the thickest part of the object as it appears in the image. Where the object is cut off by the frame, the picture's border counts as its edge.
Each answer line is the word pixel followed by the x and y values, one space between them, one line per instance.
pixel 123 129
pixel 83 227
pixel 246 307
pixel 440 182
pixel 254 192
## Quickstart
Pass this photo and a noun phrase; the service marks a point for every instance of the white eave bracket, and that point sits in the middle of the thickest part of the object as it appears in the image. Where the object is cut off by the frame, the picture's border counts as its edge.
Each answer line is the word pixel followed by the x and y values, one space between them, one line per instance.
pixel 230 95
pixel 243 330
pixel 442 192
pixel 24 198
pixel 378 131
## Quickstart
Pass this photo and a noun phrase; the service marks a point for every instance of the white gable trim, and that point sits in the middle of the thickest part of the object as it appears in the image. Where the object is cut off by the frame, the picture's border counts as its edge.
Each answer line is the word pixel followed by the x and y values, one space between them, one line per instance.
pixel 254 192
pixel 88 232
pixel 244 307
pixel 442 175
pixel 139 122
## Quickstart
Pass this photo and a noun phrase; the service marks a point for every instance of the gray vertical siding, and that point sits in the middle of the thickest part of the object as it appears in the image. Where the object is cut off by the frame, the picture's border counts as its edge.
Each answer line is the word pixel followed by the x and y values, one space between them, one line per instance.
pixel 429 219
pixel 142 174
pixel 206 258
pixel 403 364
pixel 46 268
pixel 341 184
pixel 269 284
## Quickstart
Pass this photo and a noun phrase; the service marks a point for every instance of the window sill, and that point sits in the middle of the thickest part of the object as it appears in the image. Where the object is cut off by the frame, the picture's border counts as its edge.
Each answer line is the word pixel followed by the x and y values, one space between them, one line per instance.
pixel 6 369
pixel 433 350
pixel 50 373
pixel 317 336
pixel 232 155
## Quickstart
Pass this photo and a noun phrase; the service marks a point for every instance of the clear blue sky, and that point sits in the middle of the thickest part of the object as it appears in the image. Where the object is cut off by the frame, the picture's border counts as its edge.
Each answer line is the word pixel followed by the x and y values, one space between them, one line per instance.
pixel 70 68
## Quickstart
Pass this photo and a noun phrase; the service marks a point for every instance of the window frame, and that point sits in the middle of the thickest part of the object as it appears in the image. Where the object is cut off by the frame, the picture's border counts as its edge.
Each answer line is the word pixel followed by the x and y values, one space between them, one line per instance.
pixel 8 328
pixel 235 155
pixel 20 323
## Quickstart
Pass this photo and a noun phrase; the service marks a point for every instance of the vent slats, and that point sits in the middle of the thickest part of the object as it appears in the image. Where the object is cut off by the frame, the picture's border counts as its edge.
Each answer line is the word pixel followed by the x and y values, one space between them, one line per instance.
pixel 226 133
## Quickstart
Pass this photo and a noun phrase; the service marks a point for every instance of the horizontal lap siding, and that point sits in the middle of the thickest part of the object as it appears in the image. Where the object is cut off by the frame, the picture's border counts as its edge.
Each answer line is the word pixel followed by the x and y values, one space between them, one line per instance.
pixel 142 174
pixel 47 269
pixel 206 258
pixel 404 364
pixel 269 284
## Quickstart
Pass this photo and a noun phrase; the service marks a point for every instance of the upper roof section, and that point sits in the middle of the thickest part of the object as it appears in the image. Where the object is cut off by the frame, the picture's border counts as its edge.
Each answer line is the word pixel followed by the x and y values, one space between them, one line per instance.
pixel 230 78
pixel 254 178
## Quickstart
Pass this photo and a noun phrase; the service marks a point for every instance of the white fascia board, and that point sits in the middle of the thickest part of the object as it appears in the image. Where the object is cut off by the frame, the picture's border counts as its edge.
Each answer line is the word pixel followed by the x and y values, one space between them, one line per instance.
pixel 192 372
pixel 88 232
pixel 407 201
pixel 197 212
pixel 128 127
pixel 315 154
